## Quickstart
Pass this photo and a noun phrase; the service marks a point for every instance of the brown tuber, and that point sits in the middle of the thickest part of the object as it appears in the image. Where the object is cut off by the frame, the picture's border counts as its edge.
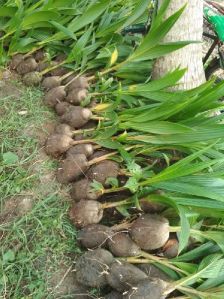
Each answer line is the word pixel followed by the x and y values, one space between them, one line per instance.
pixel 86 212
pixel 146 289
pixel 64 129
pixel 32 79
pixel 57 144
pixel 150 231
pixel 86 149
pixel 104 170
pixel 92 267
pixel 51 82
pixel 76 96
pixel 76 117
pixel 16 60
pixel 170 249
pixel 120 244
pixel 62 107
pixel 71 168
pixel 80 82
pixel 123 276
pixel 82 190
pixel 54 96
pixel 40 55
pixel 27 66
pixel 94 235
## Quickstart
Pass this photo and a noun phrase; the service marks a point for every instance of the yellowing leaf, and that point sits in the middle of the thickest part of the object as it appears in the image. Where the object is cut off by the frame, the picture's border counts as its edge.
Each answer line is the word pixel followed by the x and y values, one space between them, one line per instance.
pixel 114 57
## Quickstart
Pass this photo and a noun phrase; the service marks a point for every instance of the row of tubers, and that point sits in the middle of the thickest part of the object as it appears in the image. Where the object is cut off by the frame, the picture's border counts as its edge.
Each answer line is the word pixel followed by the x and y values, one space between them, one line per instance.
pixel 80 166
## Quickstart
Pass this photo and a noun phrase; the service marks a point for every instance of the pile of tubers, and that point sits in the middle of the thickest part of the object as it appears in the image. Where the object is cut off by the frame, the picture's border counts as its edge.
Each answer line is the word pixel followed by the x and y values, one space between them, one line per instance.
pixel 102 265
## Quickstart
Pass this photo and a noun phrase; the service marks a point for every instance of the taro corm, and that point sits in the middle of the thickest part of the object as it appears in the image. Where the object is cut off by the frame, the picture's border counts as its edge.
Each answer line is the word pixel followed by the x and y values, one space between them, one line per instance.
pixel 82 189
pixel 26 66
pixel 121 245
pixel 150 231
pixel 123 276
pixel 54 96
pixel 92 267
pixel 77 116
pixel 94 235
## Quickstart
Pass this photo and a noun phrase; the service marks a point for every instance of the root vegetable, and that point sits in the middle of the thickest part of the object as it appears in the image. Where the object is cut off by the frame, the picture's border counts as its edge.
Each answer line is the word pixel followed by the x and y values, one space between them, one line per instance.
pixel 43 65
pixel 102 171
pixel 86 149
pixel 120 244
pixel 151 207
pixel 77 117
pixel 150 231
pixel 145 289
pixel 76 96
pixel 27 66
pixel 16 60
pixel 170 249
pixel 32 78
pixel 92 267
pixel 113 295
pixel 94 235
pixel 64 129
pixel 83 190
pixel 59 71
pixel 55 95
pixel 86 212
pixel 40 55
pixel 123 276
pixel 71 168
pixel 51 82
pixel 62 108
pixel 80 82
pixel 57 144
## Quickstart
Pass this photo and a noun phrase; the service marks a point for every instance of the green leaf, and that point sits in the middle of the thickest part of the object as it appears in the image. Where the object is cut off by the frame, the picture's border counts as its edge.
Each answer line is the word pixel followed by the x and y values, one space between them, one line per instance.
pixel 10 158
pixel 63 29
pixel 185 229
pixel 132 184
pixel 39 16
pixel 139 9
pixel 7 11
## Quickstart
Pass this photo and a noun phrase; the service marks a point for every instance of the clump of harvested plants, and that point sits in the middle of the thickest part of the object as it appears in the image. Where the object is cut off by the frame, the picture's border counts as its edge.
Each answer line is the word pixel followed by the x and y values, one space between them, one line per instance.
pixel 16 60
pixel 76 117
pixel 62 107
pixel 94 235
pixel 120 244
pixel 54 96
pixel 86 149
pixel 71 168
pixel 83 190
pixel 26 66
pixel 57 144
pixel 92 267
pixel 76 96
pixel 51 82
pixel 86 212
pixel 150 231
pixel 113 295
pixel 145 289
pixel 123 276
pixel 103 170
pixel 32 78
pixel 64 129
pixel 80 82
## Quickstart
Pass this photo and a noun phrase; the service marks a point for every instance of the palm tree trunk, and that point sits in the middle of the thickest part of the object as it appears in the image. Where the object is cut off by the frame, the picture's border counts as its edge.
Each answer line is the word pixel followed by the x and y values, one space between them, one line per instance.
pixel 188 27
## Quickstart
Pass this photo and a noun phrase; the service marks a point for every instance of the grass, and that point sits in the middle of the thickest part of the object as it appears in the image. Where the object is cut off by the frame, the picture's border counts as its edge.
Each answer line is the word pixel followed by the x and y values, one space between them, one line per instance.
pixel 33 245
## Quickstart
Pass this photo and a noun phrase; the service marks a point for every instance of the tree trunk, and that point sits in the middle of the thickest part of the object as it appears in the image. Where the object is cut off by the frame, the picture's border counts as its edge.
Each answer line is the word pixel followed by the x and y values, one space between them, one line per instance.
pixel 188 27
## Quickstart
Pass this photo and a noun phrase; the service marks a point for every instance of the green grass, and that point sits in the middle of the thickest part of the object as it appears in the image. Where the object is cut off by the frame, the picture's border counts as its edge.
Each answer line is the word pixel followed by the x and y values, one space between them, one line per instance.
pixel 32 246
